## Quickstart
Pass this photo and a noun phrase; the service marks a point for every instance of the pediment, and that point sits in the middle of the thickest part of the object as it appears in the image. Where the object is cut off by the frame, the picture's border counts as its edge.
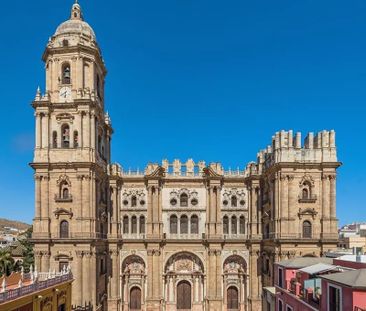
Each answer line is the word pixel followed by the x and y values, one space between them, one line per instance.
pixel 63 211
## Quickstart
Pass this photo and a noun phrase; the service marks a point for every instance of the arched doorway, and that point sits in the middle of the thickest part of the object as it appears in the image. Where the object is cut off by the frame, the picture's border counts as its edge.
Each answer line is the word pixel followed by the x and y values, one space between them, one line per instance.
pixel 184 282
pixel 235 283
pixel 232 299
pixel 135 299
pixel 133 283
pixel 184 296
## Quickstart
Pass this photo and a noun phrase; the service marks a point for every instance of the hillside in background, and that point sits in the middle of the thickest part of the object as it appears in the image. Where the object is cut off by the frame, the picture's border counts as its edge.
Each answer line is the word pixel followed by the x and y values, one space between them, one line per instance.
pixel 13 223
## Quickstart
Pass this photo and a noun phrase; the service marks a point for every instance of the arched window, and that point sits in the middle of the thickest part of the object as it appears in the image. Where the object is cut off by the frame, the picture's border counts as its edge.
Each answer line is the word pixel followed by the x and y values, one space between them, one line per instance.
pixel 234 225
pixel 133 201
pixel 242 225
pixel 173 224
pixel 234 201
pixel 306 229
pixel 184 200
pixel 184 224
pixel 135 298
pixel 194 224
pixel 64 190
pixel 142 224
pixel 134 224
pixel 64 229
pixel 65 193
pixel 66 74
pixel 226 225
pixel 76 139
pixel 125 224
pixel 65 130
pixel 54 139
pixel 232 298
pixel 305 193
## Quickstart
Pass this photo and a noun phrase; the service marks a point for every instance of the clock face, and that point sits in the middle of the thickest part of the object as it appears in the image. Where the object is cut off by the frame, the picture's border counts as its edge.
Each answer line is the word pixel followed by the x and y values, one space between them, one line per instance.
pixel 65 93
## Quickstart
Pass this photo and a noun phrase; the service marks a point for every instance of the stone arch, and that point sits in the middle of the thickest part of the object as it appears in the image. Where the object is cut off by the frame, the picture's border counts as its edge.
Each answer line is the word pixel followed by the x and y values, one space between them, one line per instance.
pixel 185 267
pixel 235 276
pixel 133 276
pixel 189 253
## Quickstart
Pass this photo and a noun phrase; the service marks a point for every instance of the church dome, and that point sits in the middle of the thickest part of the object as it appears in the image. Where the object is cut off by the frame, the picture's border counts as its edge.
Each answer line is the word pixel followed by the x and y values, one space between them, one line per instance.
pixel 76 25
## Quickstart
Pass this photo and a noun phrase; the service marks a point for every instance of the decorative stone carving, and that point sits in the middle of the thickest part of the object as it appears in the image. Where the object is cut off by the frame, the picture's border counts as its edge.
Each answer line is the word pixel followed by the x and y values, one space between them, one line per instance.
pixel 233 197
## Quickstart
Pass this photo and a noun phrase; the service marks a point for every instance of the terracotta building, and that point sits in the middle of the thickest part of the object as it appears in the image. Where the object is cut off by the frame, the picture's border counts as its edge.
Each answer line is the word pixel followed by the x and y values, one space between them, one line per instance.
pixel 310 284
pixel 49 291
pixel 176 235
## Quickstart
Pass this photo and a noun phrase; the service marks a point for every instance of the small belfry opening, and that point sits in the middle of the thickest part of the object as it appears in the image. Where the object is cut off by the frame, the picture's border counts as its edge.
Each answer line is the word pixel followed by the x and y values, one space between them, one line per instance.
pixel 76 12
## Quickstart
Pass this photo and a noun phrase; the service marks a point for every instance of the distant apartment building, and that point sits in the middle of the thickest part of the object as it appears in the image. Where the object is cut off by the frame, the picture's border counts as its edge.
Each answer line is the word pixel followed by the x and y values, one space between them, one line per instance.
pixel 353 237
pixel 36 291
pixel 331 284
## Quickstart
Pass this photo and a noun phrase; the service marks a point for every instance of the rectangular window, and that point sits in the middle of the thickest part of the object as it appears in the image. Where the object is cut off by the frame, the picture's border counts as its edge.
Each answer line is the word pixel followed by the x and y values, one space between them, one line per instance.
pixel 280 277
pixel 334 298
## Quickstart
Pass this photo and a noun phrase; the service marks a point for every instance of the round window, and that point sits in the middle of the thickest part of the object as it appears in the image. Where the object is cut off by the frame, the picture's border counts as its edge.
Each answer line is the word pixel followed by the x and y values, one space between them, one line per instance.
pixel 242 202
pixel 194 202
pixel 225 202
pixel 125 202
pixel 142 202
pixel 173 202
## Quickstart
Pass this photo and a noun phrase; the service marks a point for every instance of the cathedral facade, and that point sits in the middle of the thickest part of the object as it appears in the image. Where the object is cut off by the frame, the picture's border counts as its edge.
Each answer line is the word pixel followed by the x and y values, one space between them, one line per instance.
pixel 177 235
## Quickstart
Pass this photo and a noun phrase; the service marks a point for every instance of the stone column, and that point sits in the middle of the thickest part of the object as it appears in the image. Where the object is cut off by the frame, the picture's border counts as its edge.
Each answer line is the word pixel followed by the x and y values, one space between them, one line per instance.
pixel 38 193
pixel 171 289
pixel 196 289
pixel 291 203
pixel 259 211
pixel 115 273
pixel 333 215
pixel 37 261
pixel 218 270
pixel 218 212
pixel 332 180
pixel 86 277
pixel 77 284
pixel 150 275
pixel 45 140
pixel 277 206
pixel 149 211
pixel 38 130
pixel 46 261
pixel 284 205
pixel 255 276
pixel 325 205
pixel 93 132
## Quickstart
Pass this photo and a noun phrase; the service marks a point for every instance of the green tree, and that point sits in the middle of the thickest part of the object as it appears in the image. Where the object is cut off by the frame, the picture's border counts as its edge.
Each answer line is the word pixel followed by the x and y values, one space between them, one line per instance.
pixel 6 262
pixel 28 255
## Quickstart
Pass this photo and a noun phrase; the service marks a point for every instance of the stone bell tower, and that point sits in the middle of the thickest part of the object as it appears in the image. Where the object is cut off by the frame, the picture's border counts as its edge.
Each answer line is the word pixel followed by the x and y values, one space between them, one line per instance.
pixel 72 154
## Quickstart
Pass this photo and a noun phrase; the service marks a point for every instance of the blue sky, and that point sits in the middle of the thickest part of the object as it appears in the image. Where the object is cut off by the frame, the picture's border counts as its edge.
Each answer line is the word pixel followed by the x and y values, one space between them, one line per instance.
pixel 210 80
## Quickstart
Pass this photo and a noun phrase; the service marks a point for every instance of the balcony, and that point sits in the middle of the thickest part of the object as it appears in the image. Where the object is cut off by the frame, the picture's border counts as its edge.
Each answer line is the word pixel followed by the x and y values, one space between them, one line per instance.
pixel 309 199
pixel 183 236
pixel 34 284
pixel 63 199
pixel 133 236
